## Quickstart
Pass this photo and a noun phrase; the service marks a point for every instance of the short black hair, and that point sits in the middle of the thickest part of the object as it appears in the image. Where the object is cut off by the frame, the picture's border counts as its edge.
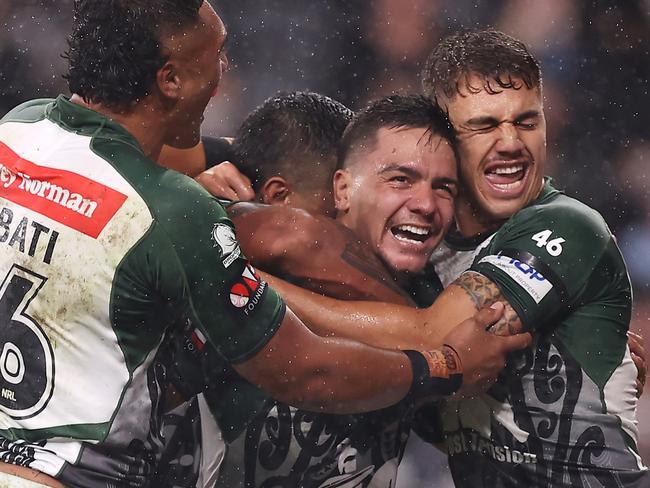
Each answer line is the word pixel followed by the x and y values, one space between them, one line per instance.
pixel 114 50
pixel 500 60
pixel 288 134
pixel 408 111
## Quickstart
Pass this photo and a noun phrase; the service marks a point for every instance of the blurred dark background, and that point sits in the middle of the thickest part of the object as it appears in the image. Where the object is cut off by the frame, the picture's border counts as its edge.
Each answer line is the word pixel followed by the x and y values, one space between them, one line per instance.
pixel 594 57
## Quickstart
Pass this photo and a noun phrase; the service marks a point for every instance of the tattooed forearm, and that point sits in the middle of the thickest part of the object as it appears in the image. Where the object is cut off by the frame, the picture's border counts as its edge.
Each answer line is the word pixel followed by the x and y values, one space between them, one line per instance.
pixel 480 290
pixel 483 291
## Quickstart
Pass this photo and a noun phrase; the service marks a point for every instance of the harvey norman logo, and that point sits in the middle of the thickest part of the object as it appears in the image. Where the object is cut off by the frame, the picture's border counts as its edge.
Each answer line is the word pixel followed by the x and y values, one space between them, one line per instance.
pixel 44 189
pixel 76 201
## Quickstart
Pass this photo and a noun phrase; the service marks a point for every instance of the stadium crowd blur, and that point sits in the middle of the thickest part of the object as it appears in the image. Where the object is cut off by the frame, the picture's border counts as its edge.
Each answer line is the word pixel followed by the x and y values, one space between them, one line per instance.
pixel 595 60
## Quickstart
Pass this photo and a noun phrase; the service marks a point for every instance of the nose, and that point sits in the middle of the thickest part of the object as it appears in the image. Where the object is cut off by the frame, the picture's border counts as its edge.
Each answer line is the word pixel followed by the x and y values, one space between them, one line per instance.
pixel 509 140
pixel 423 201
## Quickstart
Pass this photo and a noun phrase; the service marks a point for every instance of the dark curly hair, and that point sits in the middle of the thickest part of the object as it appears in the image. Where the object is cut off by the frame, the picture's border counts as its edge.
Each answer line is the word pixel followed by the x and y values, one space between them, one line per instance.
pixel 288 135
pixel 500 60
pixel 408 111
pixel 114 49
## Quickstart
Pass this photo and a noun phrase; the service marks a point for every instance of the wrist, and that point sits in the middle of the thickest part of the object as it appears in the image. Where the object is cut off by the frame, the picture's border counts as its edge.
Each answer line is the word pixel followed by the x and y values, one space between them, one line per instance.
pixel 437 372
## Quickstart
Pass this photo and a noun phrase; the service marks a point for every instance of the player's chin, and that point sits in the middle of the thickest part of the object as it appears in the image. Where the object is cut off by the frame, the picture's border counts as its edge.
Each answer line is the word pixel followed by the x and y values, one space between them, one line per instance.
pixel 503 209
pixel 413 263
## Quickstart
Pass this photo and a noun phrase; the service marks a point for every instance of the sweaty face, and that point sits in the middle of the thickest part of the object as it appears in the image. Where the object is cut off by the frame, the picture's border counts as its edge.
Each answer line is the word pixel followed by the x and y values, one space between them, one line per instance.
pixel 502 147
pixel 398 195
pixel 200 61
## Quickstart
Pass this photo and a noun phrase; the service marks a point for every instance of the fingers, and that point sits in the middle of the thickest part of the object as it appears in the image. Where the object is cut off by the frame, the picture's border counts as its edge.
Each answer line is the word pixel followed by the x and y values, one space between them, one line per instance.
pixel 487 316
pixel 637 352
pixel 640 364
pixel 636 343
pixel 516 342
pixel 225 181
pixel 238 182
pixel 216 188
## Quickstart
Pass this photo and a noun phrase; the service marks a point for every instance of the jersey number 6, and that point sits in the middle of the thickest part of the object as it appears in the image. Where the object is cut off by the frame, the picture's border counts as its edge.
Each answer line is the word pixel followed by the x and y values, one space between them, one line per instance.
pixel 26 356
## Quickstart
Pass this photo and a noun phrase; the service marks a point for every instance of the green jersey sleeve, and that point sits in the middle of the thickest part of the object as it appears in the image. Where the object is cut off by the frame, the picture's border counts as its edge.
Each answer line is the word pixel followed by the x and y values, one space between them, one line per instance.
pixel 201 265
pixel 543 258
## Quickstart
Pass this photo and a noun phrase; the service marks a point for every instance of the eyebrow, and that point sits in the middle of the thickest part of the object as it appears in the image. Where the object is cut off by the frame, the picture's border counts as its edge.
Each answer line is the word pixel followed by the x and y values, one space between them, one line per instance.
pixel 490 120
pixel 446 180
pixel 416 174
pixel 400 167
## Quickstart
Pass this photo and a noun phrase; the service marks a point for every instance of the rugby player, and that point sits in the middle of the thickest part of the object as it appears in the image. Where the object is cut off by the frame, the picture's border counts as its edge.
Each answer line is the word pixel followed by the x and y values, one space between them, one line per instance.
pixel 103 253
pixel 399 172
pixel 563 413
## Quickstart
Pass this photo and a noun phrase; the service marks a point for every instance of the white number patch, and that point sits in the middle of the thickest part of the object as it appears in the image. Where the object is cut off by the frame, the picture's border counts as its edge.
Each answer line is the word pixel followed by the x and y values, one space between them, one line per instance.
pixel 553 246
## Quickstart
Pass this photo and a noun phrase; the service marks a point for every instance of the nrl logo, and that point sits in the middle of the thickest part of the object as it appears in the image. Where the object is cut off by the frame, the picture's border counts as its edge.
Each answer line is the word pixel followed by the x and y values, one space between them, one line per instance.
pixel 224 238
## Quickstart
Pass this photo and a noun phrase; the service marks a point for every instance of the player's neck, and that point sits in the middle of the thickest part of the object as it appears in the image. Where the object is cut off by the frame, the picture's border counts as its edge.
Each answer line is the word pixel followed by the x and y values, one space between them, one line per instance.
pixel 137 121
pixel 470 222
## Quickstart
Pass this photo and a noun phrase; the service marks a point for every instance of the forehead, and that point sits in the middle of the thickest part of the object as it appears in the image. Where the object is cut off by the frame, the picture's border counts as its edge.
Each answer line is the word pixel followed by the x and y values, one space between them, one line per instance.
pixel 478 102
pixel 414 148
pixel 203 38
pixel 211 23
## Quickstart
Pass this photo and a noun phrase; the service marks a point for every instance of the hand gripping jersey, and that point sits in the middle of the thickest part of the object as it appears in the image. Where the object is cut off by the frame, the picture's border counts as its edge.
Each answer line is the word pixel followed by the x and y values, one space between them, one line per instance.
pixel 563 412
pixel 102 251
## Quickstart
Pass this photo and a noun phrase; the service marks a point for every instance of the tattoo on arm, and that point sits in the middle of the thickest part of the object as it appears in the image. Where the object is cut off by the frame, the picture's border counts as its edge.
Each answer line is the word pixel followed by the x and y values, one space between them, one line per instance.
pixel 480 290
pixel 483 292
pixel 357 256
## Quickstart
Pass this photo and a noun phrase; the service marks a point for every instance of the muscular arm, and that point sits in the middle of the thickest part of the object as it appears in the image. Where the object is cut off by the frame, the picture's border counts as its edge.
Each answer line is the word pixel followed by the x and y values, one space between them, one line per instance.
pixel 340 376
pixel 301 368
pixel 313 252
pixel 392 326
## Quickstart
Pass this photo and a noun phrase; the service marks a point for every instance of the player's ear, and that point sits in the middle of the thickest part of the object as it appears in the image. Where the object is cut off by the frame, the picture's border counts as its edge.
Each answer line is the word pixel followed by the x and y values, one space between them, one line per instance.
pixel 275 191
pixel 341 184
pixel 168 81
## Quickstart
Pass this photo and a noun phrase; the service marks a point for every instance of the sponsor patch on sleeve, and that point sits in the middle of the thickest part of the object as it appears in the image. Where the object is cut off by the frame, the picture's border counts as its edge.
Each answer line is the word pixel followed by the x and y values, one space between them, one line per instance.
pixel 247 291
pixel 224 238
pixel 530 279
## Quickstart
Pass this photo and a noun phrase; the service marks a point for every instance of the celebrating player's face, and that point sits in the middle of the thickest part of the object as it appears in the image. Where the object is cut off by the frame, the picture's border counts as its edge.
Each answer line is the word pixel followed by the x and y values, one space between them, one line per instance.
pixel 200 61
pixel 502 147
pixel 398 195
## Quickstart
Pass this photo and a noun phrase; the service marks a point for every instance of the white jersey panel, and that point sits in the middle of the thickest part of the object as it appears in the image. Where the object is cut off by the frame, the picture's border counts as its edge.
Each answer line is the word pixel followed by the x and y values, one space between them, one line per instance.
pixel 450 263
pixel 45 150
pixel 66 308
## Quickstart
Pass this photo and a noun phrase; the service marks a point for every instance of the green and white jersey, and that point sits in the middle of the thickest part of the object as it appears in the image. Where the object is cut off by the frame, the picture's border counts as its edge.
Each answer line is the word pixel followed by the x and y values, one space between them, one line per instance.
pixel 269 443
pixel 563 411
pixel 102 252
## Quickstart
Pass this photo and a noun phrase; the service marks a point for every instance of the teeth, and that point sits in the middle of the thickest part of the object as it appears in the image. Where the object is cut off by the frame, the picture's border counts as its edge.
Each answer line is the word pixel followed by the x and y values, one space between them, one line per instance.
pixel 413 229
pixel 406 239
pixel 508 186
pixel 508 170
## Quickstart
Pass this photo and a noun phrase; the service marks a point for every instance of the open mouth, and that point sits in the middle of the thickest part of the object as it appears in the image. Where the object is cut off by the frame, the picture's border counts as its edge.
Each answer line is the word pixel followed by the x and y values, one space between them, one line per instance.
pixel 411 234
pixel 507 177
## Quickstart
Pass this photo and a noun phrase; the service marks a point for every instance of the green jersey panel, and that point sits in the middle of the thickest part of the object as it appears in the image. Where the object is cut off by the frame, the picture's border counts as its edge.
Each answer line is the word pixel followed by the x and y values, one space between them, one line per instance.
pixel 563 411
pixel 557 257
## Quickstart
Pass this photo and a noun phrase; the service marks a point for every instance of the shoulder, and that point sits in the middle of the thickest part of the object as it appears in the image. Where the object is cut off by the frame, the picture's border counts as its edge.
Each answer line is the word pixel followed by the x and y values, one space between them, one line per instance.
pixel 562 210
pixel 284 225
pixel 563 219
pixel 176 201
pixel 30 111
